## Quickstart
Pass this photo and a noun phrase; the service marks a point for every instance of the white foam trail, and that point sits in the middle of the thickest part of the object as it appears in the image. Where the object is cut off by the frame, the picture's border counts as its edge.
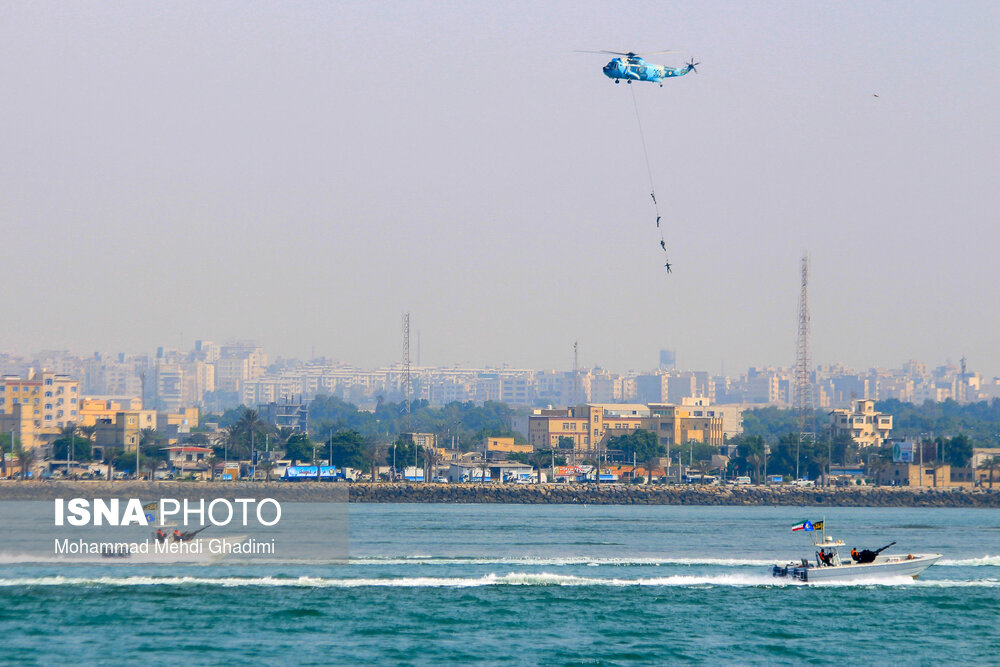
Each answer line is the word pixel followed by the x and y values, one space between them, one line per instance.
pixel 511 579
pixel 971 562
pixel 558 561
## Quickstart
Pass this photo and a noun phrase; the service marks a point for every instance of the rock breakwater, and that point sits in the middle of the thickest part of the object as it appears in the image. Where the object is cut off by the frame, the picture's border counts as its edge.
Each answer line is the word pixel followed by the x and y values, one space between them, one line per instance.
pixel 583 494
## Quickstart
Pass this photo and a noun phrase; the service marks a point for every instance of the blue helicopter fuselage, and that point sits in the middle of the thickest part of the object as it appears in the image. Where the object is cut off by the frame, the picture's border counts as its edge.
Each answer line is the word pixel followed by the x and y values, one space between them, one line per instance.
pixel 637 69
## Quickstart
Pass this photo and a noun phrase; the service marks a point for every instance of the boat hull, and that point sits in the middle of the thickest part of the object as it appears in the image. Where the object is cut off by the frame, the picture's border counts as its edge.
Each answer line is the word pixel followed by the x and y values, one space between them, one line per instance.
pixel 884 567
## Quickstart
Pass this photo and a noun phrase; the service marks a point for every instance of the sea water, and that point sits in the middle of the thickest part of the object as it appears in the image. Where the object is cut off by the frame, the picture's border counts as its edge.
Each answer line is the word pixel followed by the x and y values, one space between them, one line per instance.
pixel 529 584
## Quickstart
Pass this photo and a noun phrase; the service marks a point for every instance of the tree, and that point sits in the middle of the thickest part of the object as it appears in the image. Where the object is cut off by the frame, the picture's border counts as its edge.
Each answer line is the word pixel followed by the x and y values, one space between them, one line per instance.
pixel 703 468
pixel 110 455
pixel 90 433
pixel 281 437
pixel 876 466
pixel 267 466
pixel 749 453
pixel 252 427
pixel 640 445
pixel 348 449
pixel 756 462
pixel 25 457
pixel 300 448
pixel 991 465
pixel 151 454
pixel 373 454
pixel 538 460
pixel 232 443
pixel 406 452
pixel 72 447
pixel 212 460
pixel 431 459
pixel 958 451
pixel 696 451
pixel 844 448
pixel 125 460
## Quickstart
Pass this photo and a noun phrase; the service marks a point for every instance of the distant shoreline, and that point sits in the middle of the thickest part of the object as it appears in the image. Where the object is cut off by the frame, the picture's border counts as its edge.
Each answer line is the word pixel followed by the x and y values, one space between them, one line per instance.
pixel 525 494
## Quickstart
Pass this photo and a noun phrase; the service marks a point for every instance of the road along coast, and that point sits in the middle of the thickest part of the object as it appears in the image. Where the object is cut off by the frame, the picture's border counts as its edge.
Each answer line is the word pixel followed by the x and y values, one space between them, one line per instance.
pixel 528 494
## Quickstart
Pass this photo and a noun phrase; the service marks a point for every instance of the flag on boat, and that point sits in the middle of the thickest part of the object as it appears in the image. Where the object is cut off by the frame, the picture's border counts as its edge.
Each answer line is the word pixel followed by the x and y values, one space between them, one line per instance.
pixel 805 525
pixel 818 525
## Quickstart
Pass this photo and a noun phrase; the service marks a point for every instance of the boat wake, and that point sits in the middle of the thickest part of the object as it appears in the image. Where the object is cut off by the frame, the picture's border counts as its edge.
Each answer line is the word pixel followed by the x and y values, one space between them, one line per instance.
pixel 492 579
pixel 985 561
pixel 558 561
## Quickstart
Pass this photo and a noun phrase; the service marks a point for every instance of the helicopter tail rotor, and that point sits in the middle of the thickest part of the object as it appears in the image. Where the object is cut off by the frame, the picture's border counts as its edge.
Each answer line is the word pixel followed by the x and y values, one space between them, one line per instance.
pixel 691 66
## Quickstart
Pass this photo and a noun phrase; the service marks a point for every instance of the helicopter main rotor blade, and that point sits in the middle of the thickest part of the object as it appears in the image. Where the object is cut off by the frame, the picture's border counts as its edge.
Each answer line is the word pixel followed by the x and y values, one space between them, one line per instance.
pixel 655 53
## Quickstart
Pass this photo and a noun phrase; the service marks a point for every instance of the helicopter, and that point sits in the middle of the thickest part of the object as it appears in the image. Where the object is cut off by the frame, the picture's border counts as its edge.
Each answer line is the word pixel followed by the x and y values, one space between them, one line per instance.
pixel 631 67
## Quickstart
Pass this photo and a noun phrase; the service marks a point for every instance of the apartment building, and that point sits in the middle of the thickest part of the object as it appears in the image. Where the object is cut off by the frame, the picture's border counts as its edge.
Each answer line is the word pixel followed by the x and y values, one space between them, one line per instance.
pixel 868 427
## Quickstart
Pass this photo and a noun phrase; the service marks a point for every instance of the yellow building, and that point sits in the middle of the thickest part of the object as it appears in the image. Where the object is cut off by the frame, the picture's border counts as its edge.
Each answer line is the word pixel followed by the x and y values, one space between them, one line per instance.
pixel 589 426
pixel 506 446
pixel 927 475
pixel 52 400
pixel 21 422
pixel 867 427
pixel 183 420
pixel 586 425
pixel 680 424
pixel 96 408
pixel 122 431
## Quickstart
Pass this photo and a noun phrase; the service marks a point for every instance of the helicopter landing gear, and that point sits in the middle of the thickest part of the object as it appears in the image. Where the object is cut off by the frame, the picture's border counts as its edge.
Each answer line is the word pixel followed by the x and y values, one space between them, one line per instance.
pixel 629 82
pixel 617 81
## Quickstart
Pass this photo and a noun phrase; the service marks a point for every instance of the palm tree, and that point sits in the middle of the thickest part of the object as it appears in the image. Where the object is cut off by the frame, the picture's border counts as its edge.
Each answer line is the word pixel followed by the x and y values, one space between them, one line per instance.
pixel 148 439
pixel 68 433
pixel 88 432
pixel 110 454
pixel 876 467
pixel 651 465
pixel 373 454
pixel 212 459
pixel 153 464
pixel 431 458
pixel 756 460
pixel 25 457
pixel 991 465
pixel 252 425
pixel 231 439
pixel 267 466
pixel 539 460
pixel 703 468
pixel 281 437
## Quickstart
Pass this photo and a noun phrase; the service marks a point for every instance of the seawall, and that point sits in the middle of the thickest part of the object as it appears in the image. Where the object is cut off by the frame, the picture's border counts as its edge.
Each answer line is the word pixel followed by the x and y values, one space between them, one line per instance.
pixel 581 494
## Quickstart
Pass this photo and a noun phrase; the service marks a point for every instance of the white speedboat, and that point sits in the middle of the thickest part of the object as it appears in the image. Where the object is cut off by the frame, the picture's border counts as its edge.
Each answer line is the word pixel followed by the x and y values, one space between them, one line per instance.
pixel 864 565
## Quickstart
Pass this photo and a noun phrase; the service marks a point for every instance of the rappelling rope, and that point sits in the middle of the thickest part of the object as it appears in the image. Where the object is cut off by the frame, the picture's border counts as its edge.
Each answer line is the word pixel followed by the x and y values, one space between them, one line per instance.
pixel 649 172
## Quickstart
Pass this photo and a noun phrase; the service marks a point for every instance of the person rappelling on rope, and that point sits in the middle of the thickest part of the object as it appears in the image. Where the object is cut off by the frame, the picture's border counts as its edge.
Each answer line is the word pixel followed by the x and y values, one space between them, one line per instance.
pixel 663 244
pixel 653 195
pixel 657 222
pixel 667 266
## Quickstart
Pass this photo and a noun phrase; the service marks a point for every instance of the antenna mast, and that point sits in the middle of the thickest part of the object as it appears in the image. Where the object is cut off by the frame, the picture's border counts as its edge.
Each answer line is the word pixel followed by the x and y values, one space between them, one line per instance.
pixel 803 368
pixel 406 365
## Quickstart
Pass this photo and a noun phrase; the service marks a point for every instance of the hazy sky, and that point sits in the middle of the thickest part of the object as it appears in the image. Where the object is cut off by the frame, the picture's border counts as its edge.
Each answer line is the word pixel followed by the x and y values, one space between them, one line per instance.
pixel 302 173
